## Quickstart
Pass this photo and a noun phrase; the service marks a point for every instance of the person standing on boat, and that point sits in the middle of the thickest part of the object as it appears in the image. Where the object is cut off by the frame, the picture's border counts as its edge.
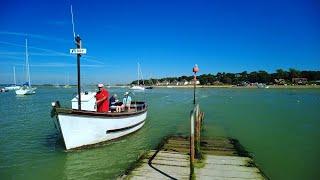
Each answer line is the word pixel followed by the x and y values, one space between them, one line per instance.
pixel 126 102
pixel 102 99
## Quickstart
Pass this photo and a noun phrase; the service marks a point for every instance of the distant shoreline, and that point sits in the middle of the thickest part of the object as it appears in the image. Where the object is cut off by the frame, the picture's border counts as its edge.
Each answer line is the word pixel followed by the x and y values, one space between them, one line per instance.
pixel 247 87
pixel 214 86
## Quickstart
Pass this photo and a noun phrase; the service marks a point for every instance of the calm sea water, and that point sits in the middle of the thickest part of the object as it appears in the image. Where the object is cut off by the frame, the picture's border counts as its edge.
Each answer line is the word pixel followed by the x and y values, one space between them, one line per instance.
pixel 280 127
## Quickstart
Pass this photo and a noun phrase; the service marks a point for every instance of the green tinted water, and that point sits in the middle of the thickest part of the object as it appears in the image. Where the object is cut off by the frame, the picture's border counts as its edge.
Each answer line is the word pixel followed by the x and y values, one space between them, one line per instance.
pixel 280 127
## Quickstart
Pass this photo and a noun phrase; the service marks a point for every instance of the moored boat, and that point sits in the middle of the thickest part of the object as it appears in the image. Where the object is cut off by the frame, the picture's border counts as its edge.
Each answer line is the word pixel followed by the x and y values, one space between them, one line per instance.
pixel 26 89
pixel 138 87
pixel 84 127
pixel 14 85
pixel 262 85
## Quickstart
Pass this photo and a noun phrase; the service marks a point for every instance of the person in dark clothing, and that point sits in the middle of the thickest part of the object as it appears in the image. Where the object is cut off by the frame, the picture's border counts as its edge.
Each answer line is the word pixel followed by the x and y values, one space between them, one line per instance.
pixel 114 103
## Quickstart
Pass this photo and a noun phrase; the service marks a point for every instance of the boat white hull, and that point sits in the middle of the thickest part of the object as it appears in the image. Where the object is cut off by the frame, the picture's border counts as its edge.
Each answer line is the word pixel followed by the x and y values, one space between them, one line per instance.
pixel 27 91
pixel 137 88
pixel 79 130
pixel 10 88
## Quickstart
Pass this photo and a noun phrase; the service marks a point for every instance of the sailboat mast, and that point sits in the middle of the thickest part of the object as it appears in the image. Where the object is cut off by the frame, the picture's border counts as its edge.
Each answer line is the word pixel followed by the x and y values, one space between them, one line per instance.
pixel 138 74
pixel 14 75
pixel 68 79
pixel 27 65
pixel 141 76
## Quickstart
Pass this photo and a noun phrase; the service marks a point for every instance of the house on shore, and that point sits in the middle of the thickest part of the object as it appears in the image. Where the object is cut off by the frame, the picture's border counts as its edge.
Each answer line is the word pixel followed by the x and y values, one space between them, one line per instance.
pixel 300 81
pixel 191 82
pixel 280 81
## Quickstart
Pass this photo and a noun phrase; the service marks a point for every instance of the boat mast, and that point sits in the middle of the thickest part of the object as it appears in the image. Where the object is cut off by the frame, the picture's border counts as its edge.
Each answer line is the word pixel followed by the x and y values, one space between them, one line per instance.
pixel 14 76
pixel 78 46
pixel 141 76
pixel 138 75
pixel 27 65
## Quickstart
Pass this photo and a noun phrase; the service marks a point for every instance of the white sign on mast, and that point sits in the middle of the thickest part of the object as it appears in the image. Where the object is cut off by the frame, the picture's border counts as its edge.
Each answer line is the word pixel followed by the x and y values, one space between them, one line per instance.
pixel 78 51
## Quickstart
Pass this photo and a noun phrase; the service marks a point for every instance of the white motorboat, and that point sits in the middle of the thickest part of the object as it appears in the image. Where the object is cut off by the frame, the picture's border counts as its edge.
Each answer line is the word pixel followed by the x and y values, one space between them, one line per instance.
pixel 26 89
pixel 82 126
pixel 85 127
pixel 13 86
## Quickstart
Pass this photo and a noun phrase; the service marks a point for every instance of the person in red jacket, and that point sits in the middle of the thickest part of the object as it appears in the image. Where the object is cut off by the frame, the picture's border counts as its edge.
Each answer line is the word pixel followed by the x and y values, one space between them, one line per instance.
pixel 102 99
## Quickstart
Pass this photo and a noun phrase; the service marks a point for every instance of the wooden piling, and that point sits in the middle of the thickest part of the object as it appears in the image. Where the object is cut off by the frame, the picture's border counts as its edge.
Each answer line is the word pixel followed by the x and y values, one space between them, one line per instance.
pixel 192 143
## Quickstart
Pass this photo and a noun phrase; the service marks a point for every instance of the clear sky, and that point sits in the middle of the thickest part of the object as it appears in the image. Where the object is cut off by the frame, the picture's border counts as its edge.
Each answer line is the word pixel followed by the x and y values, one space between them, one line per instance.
pixel 167 37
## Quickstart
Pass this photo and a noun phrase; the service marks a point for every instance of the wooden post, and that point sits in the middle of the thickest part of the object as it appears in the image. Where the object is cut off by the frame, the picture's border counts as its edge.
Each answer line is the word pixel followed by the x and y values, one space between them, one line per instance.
pixel 197 133
pixel 192 144
pixel 194 90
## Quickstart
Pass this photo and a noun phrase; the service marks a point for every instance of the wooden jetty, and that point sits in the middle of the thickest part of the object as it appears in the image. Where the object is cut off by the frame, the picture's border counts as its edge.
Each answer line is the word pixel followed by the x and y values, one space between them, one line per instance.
pixel 180 157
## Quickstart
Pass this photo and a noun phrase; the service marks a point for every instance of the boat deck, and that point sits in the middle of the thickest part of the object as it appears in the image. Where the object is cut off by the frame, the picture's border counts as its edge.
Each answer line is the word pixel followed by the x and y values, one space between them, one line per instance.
pixel 224 158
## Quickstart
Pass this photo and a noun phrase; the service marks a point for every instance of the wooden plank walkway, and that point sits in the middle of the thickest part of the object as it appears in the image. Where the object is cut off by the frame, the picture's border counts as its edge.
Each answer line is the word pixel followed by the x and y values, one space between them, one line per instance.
pixel 223 159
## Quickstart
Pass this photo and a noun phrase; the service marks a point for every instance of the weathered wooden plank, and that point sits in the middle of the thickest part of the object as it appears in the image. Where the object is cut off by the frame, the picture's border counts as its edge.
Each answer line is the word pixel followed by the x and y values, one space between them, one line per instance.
pixel 182 150
pixel 240 162
pixel 230 167
pixel 218 149
pixel 222 153
pixel 227 174
pixel 168 162
pixel 169 157
pixel 161 171
pixel 215 157
pixel 169 154
pixel 223 178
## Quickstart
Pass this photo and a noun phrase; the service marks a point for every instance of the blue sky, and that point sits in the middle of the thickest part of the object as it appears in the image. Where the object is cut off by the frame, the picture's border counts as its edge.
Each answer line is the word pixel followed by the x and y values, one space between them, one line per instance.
pixel 167 37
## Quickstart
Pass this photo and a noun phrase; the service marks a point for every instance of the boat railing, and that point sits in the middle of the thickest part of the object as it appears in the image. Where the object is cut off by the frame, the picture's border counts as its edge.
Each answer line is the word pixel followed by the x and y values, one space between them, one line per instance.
pixel 138 105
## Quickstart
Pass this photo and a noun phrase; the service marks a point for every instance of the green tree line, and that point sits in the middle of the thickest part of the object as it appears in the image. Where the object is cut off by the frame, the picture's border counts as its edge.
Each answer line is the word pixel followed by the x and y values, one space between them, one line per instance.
pixel 242 77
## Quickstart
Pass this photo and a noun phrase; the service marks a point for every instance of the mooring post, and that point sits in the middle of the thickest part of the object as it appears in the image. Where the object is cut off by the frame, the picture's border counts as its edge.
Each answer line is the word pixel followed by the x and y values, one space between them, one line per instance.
pixel 192 143
pixel 197 132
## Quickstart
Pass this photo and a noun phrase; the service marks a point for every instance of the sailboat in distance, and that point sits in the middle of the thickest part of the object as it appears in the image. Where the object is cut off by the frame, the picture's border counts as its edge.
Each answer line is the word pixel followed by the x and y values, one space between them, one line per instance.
pixel 138 87
pixel 13 86
pixel 67 82
pixel 26 89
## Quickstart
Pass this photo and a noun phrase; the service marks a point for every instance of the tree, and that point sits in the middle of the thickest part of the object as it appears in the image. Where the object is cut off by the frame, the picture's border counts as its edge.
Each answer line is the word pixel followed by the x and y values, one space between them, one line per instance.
pixel 293 73
pixel 263 77
pixel 281 74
